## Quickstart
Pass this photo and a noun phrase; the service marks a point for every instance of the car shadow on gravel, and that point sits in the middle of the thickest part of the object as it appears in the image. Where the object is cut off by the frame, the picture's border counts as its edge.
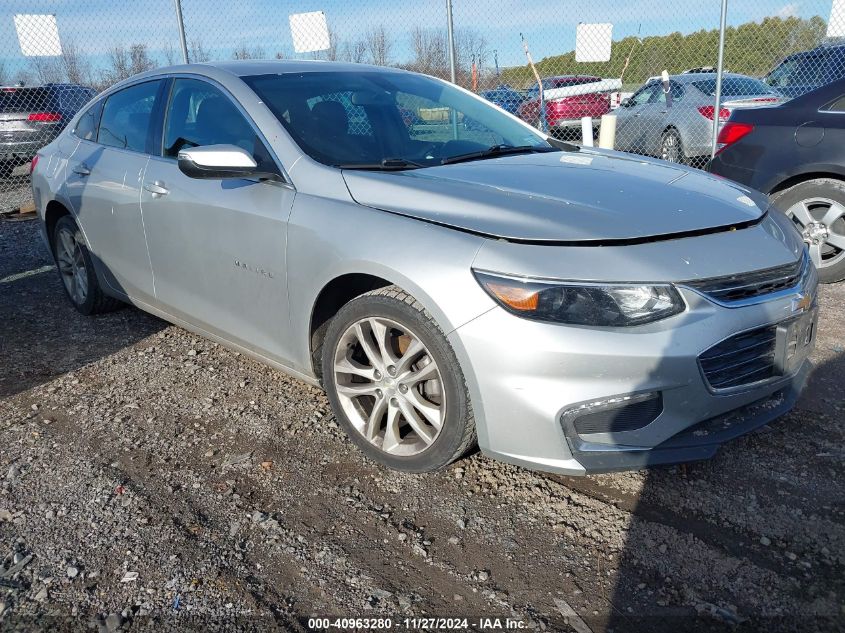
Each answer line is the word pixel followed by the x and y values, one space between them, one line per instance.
pixel 43 336
pixel 749 540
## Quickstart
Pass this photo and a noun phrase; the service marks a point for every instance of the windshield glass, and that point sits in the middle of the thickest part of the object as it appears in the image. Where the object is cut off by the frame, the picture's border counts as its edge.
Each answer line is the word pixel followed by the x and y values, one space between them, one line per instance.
pixel 367 118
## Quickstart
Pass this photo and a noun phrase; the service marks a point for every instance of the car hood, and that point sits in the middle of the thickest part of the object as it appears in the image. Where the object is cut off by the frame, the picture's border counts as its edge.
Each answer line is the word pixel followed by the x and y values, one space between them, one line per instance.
pixel 570 196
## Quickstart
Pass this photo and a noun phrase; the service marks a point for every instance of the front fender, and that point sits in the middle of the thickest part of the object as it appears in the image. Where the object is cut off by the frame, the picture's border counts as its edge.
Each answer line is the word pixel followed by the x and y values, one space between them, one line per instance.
pixel 331 238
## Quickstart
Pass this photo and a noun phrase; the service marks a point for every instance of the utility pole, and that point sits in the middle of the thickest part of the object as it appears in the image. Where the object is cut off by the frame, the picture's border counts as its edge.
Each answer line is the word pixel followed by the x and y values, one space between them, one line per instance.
pixel 450 28
pixel 719 73
pixel 496 61
pixel 181 24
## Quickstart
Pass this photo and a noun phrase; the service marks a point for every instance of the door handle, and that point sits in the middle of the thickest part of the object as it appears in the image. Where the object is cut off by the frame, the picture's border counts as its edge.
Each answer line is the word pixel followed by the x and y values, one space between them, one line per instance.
pixel 156 188
pixel 82 170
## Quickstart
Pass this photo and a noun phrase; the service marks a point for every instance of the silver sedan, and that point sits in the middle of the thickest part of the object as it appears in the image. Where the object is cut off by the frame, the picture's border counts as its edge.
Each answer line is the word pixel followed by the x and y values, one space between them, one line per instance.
pixel 567 309
pixel 677 125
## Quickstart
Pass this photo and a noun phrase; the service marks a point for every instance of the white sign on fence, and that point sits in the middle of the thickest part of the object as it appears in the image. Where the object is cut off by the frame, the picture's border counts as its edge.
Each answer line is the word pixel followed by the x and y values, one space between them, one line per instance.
pixel 592 42
pixel 836 24
pixel 309 31
pixel 38 35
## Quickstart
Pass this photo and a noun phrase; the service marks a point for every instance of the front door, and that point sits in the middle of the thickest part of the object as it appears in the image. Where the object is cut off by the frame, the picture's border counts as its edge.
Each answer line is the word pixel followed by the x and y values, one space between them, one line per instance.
pixel 630 132
pixel 218 246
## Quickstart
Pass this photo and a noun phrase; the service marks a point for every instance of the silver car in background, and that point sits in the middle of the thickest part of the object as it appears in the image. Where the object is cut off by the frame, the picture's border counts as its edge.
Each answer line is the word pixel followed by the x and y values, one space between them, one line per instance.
pixel 571 310
pixel 677 125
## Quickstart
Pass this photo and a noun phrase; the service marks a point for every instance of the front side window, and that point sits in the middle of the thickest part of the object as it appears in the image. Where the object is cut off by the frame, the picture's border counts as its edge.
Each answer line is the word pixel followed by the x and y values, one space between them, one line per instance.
pixel 200 114
pixel 643 95
pixel 365 118
pixel 127 117
pixel 86 126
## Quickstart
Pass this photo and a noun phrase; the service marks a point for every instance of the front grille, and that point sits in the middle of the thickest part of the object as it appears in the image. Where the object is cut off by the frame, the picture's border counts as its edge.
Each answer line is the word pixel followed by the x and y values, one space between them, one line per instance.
pixel 744 286
pixel 741 360
pixel 629 417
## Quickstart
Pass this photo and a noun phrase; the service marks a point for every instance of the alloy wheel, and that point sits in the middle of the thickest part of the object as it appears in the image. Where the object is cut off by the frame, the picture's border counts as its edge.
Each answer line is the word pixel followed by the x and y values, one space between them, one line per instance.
pixel 670 150
pixel 389 386
pixel 822 223
pixel 71 262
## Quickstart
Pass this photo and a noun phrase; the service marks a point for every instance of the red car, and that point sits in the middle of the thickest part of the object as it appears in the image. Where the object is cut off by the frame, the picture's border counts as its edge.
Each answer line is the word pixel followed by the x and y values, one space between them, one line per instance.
pixel 564 109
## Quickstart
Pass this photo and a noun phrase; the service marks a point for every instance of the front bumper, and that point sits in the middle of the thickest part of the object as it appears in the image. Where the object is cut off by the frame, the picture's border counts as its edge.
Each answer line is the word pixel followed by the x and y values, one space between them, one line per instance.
pixel 526 376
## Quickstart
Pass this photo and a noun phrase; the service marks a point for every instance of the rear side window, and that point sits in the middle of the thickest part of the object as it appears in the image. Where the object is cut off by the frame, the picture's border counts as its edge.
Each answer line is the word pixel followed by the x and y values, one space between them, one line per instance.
pixel 26 100
pixel 734 87
pixel 127 117
pixel 86 127
pixel 837 106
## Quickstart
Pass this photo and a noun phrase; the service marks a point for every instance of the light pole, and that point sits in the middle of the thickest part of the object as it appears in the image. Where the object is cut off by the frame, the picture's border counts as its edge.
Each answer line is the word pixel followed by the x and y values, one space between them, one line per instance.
pixel 450 28
pixel 181 24
pixel 719 72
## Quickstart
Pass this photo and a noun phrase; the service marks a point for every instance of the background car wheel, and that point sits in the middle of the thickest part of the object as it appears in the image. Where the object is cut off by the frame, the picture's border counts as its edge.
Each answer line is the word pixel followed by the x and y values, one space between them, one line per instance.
pixel 77 271
pixel 671 149
pixel 395 384
pixel 818 209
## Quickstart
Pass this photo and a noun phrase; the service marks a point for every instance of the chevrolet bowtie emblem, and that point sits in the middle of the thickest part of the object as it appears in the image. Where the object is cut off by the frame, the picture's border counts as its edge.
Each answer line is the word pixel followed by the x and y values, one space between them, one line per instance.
pixel 802 303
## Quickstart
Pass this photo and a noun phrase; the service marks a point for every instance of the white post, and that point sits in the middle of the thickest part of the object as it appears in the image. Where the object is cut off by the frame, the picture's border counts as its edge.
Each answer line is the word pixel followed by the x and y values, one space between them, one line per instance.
pixel 587 131
pixel 607 131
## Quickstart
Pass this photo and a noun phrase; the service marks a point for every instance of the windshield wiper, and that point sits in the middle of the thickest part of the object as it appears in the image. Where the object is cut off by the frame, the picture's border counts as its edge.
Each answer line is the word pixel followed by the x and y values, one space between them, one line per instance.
pixel 497 150
pixel 387 164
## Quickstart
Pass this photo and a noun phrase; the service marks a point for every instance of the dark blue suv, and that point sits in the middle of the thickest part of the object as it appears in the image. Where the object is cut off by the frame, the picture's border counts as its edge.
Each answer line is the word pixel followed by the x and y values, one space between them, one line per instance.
pixel 802 72
pixel 31 117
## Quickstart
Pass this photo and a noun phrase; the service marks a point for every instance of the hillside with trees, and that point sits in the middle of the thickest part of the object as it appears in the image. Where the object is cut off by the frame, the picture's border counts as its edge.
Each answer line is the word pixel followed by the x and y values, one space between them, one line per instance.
pixel 752 48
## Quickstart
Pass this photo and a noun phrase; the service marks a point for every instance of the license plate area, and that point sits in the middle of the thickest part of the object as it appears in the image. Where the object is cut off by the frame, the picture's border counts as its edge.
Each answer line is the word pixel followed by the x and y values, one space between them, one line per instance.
pixel 794 341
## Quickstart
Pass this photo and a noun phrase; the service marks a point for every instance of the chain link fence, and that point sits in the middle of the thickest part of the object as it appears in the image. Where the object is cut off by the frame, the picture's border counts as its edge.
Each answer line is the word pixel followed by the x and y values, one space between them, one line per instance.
pixel 651 65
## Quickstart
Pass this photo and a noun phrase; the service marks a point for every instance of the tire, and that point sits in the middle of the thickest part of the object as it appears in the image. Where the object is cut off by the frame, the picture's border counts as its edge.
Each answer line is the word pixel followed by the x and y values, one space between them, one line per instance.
pixel 818 209
pixel 397 318
pixel 76 270
pixel 671 148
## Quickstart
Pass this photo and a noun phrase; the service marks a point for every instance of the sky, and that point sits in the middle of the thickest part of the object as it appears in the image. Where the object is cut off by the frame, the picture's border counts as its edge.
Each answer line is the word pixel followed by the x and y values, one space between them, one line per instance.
pixel 549 26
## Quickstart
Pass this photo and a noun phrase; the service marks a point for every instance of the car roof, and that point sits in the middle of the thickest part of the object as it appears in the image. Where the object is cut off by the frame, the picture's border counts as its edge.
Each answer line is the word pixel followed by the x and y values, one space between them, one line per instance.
pixel 688 78
pixel 819 50
pixel 246 67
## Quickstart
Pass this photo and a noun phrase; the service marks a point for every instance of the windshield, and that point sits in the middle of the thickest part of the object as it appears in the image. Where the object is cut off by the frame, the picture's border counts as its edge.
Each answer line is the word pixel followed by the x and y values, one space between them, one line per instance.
pixel 734 87
pixel 370 118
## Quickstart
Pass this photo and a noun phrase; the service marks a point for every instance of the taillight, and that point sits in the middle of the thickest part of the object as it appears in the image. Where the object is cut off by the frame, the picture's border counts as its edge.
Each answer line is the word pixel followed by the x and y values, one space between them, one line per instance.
pixel 33 163
pixel 45 117
pixel 731 133
pixel 707 112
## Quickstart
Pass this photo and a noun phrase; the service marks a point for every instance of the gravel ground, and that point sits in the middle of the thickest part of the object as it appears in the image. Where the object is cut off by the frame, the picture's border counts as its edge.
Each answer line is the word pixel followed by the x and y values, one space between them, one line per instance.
pixel 150 479
pixel 15 190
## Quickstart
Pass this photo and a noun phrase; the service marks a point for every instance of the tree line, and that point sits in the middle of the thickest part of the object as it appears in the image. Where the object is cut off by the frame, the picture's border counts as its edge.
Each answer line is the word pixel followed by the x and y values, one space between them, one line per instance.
pixel 752 48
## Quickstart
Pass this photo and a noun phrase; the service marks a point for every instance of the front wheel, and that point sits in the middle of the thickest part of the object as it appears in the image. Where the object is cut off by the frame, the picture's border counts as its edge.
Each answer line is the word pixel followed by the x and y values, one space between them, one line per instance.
pixel 818 209
pixel 395 384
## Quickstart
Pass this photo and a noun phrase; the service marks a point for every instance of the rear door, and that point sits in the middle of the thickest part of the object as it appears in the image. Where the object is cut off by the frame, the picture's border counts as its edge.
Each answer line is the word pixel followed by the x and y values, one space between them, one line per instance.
pixel 218 246
pixel 104 177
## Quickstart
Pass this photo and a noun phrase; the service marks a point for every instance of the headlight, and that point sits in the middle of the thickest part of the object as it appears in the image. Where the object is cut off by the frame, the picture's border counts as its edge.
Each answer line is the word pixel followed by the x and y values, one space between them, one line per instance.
pixel 611 305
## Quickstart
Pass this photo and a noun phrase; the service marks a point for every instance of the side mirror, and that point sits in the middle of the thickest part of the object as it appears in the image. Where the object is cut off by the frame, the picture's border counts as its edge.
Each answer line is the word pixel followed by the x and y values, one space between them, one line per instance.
pixel 626 102
pixel 219 161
